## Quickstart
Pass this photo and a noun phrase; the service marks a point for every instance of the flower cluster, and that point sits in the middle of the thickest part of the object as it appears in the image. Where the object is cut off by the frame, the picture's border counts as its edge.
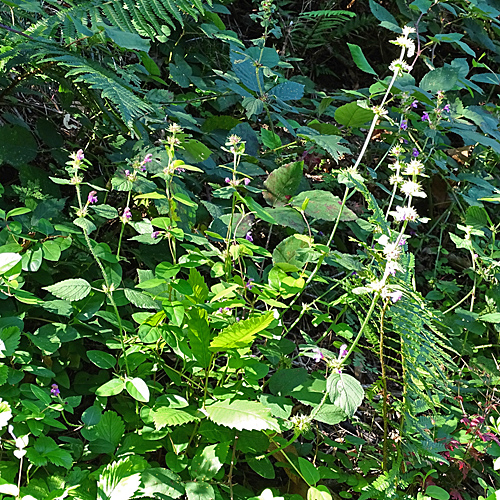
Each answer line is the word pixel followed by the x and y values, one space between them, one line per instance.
pixel 236 182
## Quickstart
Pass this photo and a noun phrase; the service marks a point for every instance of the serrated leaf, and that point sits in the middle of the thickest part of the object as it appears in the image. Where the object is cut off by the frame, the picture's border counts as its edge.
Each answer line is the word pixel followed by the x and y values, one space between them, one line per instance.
pixel 110 428
pixel 345 392
pixel 140 299
pixel 242 333
pixel 198 333
pixel 117 482
pixel 323 205
pixel 47 450
pixel 105 211
pixel 138 389
pixel 158 482
pixel 199 491
pixel 9 340
pixel 360 59
pixel 85 224
pixel 283 182
pixel 352 115
pixel 242 415
pixel 71 290
pixel 490 317
pixel 170 417
pixel 208 461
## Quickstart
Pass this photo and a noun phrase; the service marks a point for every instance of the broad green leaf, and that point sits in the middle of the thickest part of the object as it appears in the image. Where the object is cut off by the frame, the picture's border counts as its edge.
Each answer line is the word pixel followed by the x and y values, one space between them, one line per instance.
pixel 309 472
pixel 18 146
pixel 140 299
pixel 283 182
pixel 288 91
pixel 360 59
pixel 198 333
pixel 262 466
pixel 319 493
pixel 287 252
pixel 71 290
pixel 330 143
pixel 345 392
pixel 110 428
pixel 352 115
pixel 440 79
pixel 102 359
pixel 283 382
pixel 111 388
pixel 195 151
pixel 47 450
pixel 270 139
pixel 199 491
pixel 208 461
pixel 323 205
pixel 242 333
pixel 40 394
pixel 242 415
pixel 17 211
pixel 286 216
pixel 127 40
pixel 437 492
pixel 170 417
pixel 9 340
pixel 160 483
pixel 138 389
pixel 387 20
pixel 85 224
pixel 51 250
pixel 490 317
pixel 422 5
pixel 105 211
pixel 8 260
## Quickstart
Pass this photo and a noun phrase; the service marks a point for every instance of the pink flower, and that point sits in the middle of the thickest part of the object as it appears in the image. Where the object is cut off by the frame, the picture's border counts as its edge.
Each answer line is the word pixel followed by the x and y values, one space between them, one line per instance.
pixel 79 155
pixel 127 214
pixel 92 197
pixel 318 355
pixel 246 181
pixel 343 351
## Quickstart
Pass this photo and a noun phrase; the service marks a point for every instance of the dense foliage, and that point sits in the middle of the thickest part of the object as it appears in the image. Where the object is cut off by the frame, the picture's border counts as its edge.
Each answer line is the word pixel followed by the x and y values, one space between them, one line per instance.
pixel 249 250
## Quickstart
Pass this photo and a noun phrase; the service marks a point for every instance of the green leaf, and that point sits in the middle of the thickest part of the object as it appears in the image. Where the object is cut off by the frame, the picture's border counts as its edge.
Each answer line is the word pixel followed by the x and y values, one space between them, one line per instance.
pixel 208 461
pixel 323 205
pixel 198 285
pixel 111 388
pixel 283 182
pixel 105 211
pixel 195 151
pixel 40 394
pixel 200 491
pixel 283 382
pixel 85 225
pixel 360 59
pixel 330 143
pixel 270 139
pixel 118 481
pixel 422 5
pixel 46 450
pixel 288 251
pixel 102 359
pixel 288 91
pixel 71 290
pixel 18 146
pixel 110 429
pixel 8 260
pixel 259 211
pixel 5 413
pixel 199 336
pixel 437 492
pixel 140 299
pixel 242 415
pixel 384 16
pixel 160 483
pixel 51 250
pixel 9 340
pixel 170 417
pixel 345 392
pixel 490 317
pixel 319 493
pixel 309 472
pixel 127 40
pixel 138 389
pixel 17 211
pixel 352 115
pixel 242 333
pixel 262 466
pixel 439 79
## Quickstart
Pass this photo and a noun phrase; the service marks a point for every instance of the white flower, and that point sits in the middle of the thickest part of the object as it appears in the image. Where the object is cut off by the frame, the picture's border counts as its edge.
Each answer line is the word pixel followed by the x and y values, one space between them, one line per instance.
pixel 397 165
pixel 414 168
pixel 410 188
pixel 395 179
pixel 392 251
pixel 404 213
pixel 408 30
pixel 399 66
pixel 380 111
pixel 394 296
pixel 397 151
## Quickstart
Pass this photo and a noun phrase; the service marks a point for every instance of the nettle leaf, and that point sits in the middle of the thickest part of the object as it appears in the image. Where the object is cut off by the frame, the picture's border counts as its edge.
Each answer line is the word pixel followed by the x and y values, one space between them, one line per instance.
pixel 288 91
pixel 165 416
pixel 345 392
pixel 200 491
pixel 140 299
pixel 71 290
pixel 323 205
pixel 283 182
pixel 9 340
pixel 105 211
pixel 110 429
pixel 117 481
pixel 242 333
pixel 242 415
pixel 197 282
pixel 352 115
pixel 160 483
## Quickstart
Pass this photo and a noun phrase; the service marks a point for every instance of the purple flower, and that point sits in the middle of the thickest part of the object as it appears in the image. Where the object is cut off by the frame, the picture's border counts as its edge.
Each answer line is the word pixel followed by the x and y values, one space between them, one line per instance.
pixel 249 237
pixel 148 158
pixel 92 197
pixel 249 284
pixel 447 108
pixel 343 351
pixel 180 169
pixel 227 180
pixel 405 141
pixel 321 233
pixel 79 155
pixel 415 152
pixel 246 181
pixel 127 214
pixel 425 116
pixel 318 355
pixel 404 125
pixel 414 104
pixel 55 390
pixel 155 234
pixel 127 173
pixel 402 242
